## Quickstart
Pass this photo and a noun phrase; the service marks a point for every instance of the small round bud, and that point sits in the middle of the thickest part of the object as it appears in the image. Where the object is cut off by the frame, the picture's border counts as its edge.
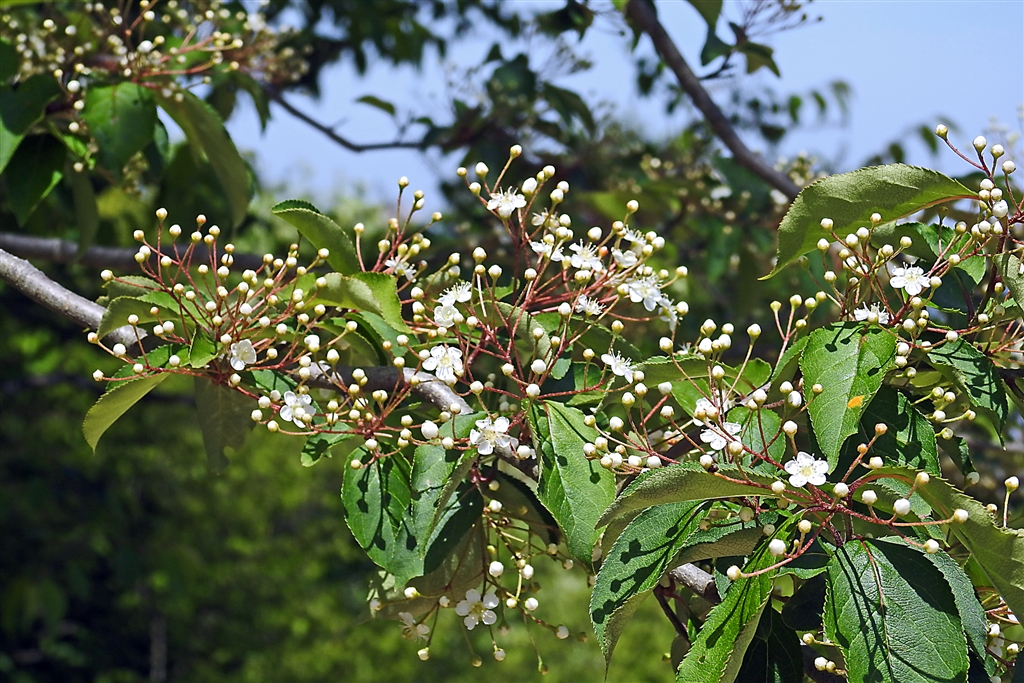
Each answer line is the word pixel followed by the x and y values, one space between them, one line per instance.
pixel 804 526
pixel 1012 484
pixel 777 547
pixel 869 497
pixel 922 478
pixel 931 546
pixel 942 131
pixel 733 573
pixel 778 487
pixel 841 490
pixel 901 507
pixel 980 143
pixel 960 515
pixel 790 428
pixel 496 569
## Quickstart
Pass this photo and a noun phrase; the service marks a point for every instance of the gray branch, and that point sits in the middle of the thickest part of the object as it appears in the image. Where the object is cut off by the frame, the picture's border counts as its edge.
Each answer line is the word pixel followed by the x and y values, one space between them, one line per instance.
pixel 34 283
pixel 698 581
pixel 64 251
pixel 643 14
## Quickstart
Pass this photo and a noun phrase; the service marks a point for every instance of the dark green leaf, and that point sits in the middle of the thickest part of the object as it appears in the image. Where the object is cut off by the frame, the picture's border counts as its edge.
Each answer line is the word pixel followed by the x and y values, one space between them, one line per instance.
pixel 758 56
pixel 718 650
pixel 121 117
pixel 641 555
pixel 803 611
pixel 206 134
pixel 893 616
pixel 8 61
pixel 120 308
pixel 115 403
pixel 774 655
pixel 320 444
pixel 574 489
pixel 87 216
pixel 909 440
pixel 684 482
pixel 895 191
pixel 21 108
pixel 322 233
pixel 203 350
pixel 35 169
pixel 998 550
pixel 223 416
pixel 1012 271
pixel 375 498
pixel 850 362
pixel 976 374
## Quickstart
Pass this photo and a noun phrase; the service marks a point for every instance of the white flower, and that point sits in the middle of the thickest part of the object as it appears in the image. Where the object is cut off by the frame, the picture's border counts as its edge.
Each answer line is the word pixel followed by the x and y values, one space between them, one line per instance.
pixel 506 202
pixel 634 236
pixel 588 306
pixel 460 292
pixel 547 219
pixel 623 367
pixel 806 469
pixel 489 434
pixel 445 362
pixel 625 259
pixel 402 267
pixel 716 440
pixel 585 257
pixel 445 314
pixel 875 314
pixel 295 406
pixel 241 354
pixel 911 280
pixel 667 312
pixel 410 629
pixel 545 249
pixel 477 609
pixel 646 290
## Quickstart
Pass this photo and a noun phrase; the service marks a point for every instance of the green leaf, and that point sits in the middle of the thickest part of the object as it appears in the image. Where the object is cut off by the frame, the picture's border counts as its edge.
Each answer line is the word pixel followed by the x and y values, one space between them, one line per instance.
pixel 976 374
pixel 849 361
pixel 895 191
pixel 524 324
pixel 320 444
pixel 774 655
pixel 375 498
pixel 655 541
pixel 8 61
pixel 909 440
pixel 719 648
pixel 893 616
pixel 21 108
pixel 430 526
pixel 999 551
pixel 87 215
pixel 223 416
pixel 35 169
pixel 322 233
pixel 120 308
pixel 758 56
pixel 378 103
pixel 203 350
pixel 374 292
pixel 574 489
pixel 206 134
pixel 684 482
pixel 115 403
pixel 121 117
pixel 640 556
pixel 1012 271
pixel 972 614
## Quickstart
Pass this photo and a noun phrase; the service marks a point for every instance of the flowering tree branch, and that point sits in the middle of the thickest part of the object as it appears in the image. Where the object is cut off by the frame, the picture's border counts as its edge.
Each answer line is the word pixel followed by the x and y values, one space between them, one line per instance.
pixel 643 14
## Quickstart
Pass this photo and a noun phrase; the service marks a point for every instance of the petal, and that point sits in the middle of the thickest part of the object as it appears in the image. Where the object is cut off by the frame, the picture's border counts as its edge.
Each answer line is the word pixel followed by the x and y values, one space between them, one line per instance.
pixel 798 480
pixel 816 479
pixel 470 621
pixel 473 595
pixel 490 601
pixel 489 617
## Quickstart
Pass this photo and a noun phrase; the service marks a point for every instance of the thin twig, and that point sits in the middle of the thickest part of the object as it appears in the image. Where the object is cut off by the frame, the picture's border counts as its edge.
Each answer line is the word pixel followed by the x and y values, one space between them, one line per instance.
pixel 643 14
pixel 329 132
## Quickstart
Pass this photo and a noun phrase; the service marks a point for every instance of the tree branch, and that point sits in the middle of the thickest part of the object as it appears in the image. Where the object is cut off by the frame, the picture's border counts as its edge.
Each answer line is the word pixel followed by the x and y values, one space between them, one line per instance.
pixel 32 282
pixel 643 14
pixel 65 251
pixel 329 132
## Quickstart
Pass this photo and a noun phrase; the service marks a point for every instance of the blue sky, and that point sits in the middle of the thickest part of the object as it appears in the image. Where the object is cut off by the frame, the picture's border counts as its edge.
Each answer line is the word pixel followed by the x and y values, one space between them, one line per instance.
pixel 908 62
